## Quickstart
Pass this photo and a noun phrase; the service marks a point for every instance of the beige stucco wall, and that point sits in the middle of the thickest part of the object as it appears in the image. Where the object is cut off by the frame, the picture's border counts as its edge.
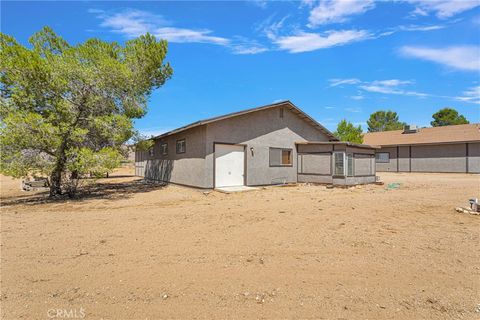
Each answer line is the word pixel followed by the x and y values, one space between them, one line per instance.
pixel 474 158
pixel 439 158
pixel 184 168
pixel 404 158
pixel 390 166
pixel 315 163
pixel 260 131
pixel 433 158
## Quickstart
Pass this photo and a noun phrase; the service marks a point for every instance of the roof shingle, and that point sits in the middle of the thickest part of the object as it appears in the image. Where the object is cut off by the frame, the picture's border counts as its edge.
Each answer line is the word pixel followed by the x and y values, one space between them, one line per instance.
pixel 434 135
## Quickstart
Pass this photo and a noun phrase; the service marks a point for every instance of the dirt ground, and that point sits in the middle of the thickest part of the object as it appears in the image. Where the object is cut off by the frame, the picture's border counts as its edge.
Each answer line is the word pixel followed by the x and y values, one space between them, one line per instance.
pixel 129 250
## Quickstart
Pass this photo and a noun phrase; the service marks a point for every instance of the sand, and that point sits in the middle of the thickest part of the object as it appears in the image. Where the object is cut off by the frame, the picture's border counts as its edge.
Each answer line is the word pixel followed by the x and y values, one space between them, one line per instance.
pixel 129 250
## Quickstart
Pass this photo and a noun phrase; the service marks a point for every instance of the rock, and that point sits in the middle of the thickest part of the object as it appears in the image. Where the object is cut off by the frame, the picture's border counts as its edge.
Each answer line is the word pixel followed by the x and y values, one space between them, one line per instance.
pixel 165 296
pixel 260 298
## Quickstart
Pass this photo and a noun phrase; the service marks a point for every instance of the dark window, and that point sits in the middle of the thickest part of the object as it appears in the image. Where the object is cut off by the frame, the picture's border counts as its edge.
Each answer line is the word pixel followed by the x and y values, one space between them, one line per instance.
pixel 281 112
pixel 382 157
pixel 280 157
pixel 164 149
pixel 181 146
pixel 151 152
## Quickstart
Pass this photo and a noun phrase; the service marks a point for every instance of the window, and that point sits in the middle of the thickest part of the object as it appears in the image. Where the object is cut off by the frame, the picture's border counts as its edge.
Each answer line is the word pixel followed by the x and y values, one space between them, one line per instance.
pixel 281 112
pixel 382 157
pixel 349 164
pixel 164 148
pixel 181 146
pixel 338 164
pixel 151 152
pixel 280 157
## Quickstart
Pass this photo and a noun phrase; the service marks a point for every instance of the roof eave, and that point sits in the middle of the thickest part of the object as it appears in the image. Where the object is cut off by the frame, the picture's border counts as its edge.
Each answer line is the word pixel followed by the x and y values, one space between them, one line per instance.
pixel 243 112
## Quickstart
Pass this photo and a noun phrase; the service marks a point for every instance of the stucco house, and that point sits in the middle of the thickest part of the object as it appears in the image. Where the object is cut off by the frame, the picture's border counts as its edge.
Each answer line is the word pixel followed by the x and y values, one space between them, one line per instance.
pixel 453 149
pixel 272 144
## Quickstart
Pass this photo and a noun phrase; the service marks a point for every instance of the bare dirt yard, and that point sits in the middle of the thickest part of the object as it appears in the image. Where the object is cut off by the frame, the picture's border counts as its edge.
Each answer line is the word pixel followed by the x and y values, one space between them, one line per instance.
pixel 128 250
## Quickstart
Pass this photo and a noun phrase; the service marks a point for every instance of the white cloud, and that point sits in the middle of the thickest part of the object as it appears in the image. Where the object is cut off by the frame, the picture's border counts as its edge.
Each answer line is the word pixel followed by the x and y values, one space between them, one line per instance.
pixel 354 110
pixel 271 29
pixel 242 45
pixel 240 49
pixel 133 23
pixel 389 86
pixel 304 41
pixel 180 35
pixel 333 11
pixel 259 3
pixel 443 9
pixel 357 97
pixel 338 82
pixel 391 82
pixel 307 3
pixel 414 27
pixel 380 89
pixel 471 95
pixel 459 57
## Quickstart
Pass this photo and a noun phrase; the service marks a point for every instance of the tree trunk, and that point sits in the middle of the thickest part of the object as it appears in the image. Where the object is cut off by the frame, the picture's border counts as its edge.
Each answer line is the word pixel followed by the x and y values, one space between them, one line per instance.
pixel 56 176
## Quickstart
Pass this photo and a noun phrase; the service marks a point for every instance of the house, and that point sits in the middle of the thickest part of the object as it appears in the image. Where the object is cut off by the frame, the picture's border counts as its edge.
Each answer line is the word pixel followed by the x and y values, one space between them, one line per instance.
pixel 438 149
pixel 272 144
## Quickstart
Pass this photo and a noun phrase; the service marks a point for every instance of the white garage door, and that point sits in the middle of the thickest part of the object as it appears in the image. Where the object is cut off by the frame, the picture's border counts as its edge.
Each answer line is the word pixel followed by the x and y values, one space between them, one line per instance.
pixel 229 165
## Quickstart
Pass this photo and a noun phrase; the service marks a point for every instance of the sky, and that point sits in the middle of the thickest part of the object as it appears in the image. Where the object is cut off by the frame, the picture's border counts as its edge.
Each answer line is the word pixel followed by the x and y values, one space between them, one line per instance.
pixel 333 59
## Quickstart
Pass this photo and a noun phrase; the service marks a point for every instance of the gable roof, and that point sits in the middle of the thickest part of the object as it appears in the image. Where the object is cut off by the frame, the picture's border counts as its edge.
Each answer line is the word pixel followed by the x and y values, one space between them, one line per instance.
pixel 285 103
pixel 434 135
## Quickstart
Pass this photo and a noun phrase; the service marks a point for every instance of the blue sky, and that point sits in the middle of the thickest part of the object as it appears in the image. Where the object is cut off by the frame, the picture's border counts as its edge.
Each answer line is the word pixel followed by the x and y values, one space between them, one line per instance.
pixel 333 59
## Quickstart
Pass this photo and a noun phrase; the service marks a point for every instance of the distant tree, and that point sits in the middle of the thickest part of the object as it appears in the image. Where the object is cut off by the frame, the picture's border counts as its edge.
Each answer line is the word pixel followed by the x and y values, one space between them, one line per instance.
pixel 384 121
pixel 447 117
pixel 66 110
pixel 346 131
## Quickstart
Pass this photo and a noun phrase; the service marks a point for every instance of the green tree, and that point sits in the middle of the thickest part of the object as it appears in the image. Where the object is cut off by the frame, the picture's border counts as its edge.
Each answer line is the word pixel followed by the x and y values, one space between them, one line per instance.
pixel 346 131
pixel 447 117
pixel 66 110
pixel 384 121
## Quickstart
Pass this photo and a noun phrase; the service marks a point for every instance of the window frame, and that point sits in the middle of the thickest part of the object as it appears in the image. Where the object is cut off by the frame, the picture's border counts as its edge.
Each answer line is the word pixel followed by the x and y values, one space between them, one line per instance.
pixel 377 160
pixel 164 152
pixel 281 157
pixel 184 146
pixel 334 164
pixel 350 160
pixel 151 152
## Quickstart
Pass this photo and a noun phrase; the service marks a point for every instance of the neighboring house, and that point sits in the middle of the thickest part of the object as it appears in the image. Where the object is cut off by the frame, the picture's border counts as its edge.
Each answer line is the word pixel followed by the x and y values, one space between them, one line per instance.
pixel 252 147
pixel 438 149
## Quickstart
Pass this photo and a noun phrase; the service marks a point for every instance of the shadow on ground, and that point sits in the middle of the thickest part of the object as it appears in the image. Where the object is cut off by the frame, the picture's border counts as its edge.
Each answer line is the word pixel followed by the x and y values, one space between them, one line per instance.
pixel 105 189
